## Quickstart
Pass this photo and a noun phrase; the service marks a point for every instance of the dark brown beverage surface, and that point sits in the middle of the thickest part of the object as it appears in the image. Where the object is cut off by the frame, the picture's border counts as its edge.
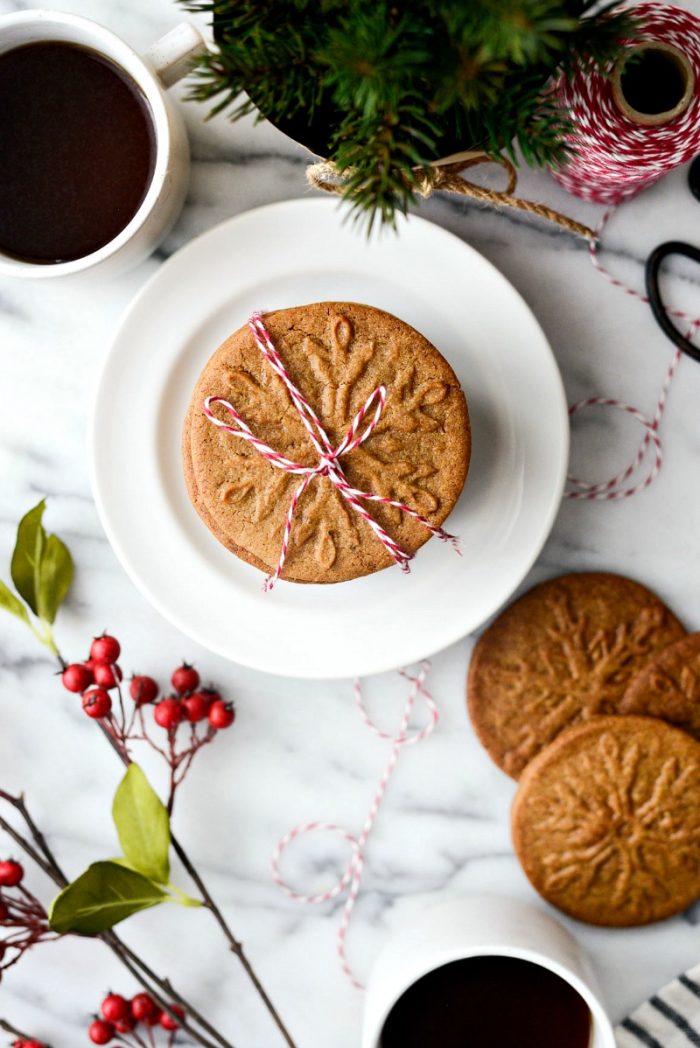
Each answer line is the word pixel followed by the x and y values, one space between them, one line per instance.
pixel 77 150
pixel 489 1002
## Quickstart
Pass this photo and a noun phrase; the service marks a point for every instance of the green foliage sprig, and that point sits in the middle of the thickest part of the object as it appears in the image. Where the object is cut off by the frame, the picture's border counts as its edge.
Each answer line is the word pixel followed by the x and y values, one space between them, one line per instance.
pixel 383 89
pixel 112 890
pixel 42 571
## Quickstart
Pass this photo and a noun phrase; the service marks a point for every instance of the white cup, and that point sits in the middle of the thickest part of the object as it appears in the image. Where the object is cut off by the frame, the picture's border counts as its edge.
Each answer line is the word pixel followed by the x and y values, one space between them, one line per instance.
pixel 479 926
pixel 163 64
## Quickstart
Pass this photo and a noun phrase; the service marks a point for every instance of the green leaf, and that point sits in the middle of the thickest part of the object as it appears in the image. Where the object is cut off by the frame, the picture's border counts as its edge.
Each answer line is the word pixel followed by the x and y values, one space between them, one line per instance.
pixel 55 578
pixel 176 894
pixel 28 552
pixel 143 825
pixel 119 860
pixel 100 898
pixel 13 604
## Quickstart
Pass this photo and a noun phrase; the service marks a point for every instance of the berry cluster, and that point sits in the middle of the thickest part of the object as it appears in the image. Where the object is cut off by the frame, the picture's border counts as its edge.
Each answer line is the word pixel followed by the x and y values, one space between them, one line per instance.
pixel 201 710
pixel 189 702
pixel 96 677
pixel 23 920
pixel 121 1018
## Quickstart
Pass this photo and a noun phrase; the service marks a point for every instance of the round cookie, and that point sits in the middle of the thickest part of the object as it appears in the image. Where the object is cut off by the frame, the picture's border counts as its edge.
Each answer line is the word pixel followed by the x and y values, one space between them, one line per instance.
pixel 669 687
pixel 606 821
pixel 337 353
pixel 563 652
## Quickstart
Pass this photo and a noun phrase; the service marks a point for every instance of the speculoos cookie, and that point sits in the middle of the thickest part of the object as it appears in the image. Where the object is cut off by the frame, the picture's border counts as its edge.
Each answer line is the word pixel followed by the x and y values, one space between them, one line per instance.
pixel 669 687
pixel 564 652
pixel 336 353
pixel 606 821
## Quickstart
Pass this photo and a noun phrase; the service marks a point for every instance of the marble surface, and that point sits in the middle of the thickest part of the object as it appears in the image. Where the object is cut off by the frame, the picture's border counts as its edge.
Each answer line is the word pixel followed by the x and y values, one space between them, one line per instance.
pixel 299 750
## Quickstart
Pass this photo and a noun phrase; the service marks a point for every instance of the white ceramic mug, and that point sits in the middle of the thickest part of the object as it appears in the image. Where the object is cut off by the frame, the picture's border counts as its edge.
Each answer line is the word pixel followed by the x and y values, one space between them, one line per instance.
pixel 479 926
pixel 162 65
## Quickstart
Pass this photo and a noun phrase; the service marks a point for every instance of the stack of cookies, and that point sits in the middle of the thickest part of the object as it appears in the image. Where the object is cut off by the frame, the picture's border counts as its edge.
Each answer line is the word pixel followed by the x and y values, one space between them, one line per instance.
pixel 336 353
pixel 586 690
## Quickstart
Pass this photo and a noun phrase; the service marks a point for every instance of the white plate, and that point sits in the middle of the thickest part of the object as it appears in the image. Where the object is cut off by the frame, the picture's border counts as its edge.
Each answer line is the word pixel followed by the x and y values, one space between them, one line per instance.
pixel 284 255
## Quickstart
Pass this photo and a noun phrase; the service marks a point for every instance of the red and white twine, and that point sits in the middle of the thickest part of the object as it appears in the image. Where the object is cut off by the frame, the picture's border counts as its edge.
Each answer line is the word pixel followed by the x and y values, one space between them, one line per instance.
pixel 617 487
pixel 328 457
pixel 614 158
pixel 351 878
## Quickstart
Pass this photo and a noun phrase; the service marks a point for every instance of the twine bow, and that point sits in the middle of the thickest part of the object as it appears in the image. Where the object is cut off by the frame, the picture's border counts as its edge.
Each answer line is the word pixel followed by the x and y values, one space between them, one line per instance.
pixel 328 464
pixel 447 177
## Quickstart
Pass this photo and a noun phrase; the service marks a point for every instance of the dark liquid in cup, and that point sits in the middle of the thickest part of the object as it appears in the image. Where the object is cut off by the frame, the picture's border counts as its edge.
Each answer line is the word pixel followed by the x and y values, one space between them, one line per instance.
pixel 77 150
pixel 489 1002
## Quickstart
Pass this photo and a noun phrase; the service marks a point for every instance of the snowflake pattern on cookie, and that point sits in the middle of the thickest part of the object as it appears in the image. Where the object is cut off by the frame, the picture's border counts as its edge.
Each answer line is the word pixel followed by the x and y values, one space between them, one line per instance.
pixel 563 653
pixel 607 821
pixel 337 359
pixel 669 687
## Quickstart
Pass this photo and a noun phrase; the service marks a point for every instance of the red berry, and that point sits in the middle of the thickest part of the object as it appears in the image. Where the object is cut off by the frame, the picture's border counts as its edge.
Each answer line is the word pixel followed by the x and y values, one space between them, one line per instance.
pixel 126 1025
pixel 11 874
pixel 115 1008
pixel 185 678
pixel 210 694
pixel 97 703
pixel 31 1044
pixel 143 690
pixel 77 677
pixel 101 1032
pixel 144 1008
pixel 168 713
pixel 106 675
pixel 105 649
pixel 195 706
pixel 222 714
pixel 167 1021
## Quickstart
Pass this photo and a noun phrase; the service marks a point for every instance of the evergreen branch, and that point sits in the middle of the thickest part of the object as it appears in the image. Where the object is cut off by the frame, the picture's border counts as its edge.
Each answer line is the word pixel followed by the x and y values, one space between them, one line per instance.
pixel 382 157
pixel 596 41
pixel 383 89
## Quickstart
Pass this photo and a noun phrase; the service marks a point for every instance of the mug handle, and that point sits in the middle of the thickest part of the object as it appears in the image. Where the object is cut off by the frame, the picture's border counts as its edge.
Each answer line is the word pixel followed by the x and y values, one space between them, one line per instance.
pixel 171 56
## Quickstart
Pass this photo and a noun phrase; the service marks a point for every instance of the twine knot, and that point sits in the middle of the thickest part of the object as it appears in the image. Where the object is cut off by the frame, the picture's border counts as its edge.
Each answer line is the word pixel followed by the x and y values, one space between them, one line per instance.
pixel 427 185
pixel 448 178
pixel 328 464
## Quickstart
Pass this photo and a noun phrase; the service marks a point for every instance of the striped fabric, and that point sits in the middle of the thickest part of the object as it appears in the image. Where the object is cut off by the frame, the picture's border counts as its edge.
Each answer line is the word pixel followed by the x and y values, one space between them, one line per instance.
pixel 669 1019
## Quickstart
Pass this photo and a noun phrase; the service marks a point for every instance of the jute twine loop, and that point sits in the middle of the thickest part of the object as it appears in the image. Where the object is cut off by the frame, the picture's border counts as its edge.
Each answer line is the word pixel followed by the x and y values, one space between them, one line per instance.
pixel 448 178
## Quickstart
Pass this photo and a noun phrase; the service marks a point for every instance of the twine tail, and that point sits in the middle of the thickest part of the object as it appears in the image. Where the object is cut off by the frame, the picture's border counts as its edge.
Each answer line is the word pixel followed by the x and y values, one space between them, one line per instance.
pixel 448 178
pixel 350 880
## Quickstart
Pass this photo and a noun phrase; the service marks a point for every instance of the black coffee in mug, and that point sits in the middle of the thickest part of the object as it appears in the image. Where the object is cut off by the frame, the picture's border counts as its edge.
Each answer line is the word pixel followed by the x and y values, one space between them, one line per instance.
pixel 489 1002
pixel 77 151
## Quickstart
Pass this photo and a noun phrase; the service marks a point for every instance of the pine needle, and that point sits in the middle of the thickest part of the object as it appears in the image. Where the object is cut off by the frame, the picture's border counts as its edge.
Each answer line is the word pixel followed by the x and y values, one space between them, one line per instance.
pixel 387 88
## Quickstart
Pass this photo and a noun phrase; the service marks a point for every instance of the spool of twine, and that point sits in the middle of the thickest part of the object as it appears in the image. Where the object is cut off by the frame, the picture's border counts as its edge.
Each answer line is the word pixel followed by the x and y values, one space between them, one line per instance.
pixel 641 120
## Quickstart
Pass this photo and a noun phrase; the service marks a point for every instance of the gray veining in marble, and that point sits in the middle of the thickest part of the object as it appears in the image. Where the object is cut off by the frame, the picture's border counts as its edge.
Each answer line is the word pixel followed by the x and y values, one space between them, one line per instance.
pixel 299 750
